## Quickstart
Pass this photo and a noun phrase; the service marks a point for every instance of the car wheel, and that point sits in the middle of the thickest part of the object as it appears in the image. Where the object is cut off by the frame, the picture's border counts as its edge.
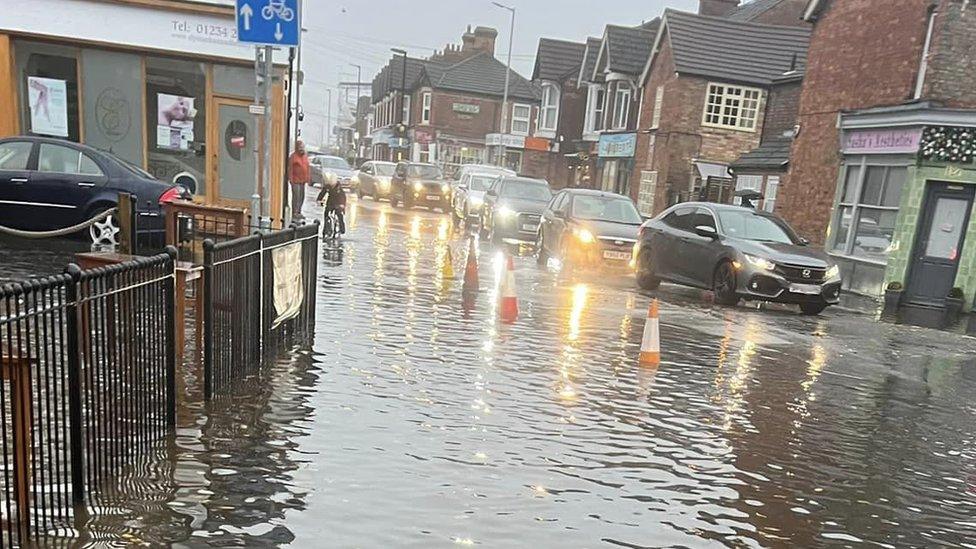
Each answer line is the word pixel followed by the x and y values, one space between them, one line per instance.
pixel 645 275
pixel 812 309
pixel 724 284
pixel 542 256
pixel 106 231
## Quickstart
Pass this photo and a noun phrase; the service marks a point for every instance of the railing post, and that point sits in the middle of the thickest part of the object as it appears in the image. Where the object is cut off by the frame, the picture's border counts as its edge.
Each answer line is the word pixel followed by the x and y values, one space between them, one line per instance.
pixel 208 348
pixel 313 294
pixel 73 334
pixel 169 289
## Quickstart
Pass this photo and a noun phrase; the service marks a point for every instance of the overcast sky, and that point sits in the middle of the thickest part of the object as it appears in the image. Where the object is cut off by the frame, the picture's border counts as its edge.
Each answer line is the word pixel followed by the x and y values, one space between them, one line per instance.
pixel 341 32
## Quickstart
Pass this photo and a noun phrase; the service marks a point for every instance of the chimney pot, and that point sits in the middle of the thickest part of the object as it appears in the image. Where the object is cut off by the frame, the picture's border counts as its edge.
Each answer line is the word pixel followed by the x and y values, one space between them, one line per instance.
pixel 718 8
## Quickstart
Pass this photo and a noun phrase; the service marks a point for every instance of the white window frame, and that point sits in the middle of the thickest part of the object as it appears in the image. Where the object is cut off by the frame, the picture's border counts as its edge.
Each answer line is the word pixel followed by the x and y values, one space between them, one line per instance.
pixel 527 118
pixel 549 105
pixel 594 109
pixel 406 110
pixel 646 192
pixel 621 107
pixel 747 182
pixel 425 109
pixel 732 107
pixel 658 105
pixel 770 192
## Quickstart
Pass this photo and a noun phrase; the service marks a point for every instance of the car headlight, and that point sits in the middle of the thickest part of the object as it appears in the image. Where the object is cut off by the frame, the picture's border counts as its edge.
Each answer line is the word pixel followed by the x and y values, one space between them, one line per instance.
pixel 584 236
pixel 833 272
pixel 760 262
pixel 418 186
pixel 505 212
pixel 445 188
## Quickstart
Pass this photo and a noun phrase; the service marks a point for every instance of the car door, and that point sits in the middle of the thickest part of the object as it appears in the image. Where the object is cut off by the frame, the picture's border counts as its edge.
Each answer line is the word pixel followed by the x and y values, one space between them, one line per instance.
pixel 15 161
pixel 546 225
pixel 560 222
pixel 365 177
pixel 698 252
pixel 63 185
pixel 491 199
pixel 668 245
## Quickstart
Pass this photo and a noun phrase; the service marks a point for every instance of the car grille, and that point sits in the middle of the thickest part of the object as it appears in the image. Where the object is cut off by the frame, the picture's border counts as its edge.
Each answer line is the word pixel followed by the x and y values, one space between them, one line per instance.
pixel 795 273
pixel 617 244
pixel 529 219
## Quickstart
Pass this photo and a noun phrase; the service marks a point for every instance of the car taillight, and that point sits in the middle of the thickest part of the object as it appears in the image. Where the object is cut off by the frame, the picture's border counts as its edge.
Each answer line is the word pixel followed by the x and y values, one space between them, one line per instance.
pixel 169 196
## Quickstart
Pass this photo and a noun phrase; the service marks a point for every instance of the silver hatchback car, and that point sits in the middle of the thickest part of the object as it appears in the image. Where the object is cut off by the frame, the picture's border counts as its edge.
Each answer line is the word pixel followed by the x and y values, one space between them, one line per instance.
pixel 738 252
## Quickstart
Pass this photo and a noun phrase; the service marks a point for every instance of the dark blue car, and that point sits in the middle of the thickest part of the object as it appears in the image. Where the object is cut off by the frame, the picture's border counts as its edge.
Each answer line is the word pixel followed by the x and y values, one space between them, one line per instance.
pixel 48 184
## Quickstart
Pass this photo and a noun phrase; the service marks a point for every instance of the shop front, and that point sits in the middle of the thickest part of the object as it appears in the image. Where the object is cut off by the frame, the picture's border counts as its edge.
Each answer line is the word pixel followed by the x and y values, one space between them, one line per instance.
pixel 615 163
pixel 902 216
pixel 166 88
pixel 514 147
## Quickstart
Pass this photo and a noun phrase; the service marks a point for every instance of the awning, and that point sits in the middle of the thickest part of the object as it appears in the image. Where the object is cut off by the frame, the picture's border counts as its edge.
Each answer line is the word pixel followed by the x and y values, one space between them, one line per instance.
pixel 711 169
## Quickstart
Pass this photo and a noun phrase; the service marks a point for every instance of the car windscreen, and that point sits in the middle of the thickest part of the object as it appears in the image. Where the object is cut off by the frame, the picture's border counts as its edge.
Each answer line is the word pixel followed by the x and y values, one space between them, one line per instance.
pixel 480 182
pixel 385 169
pixel 336 163
pixel 526 190
pixel 606 208
pixel 424 172
pixel 753 226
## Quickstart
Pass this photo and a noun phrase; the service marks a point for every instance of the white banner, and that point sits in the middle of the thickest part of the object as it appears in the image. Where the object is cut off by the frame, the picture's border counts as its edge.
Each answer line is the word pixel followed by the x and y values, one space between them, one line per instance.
pixel 48 100
pixel 289 290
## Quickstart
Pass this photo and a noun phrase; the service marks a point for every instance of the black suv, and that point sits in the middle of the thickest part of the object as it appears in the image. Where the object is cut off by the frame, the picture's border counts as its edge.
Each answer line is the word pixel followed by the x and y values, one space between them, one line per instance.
pixel 418 184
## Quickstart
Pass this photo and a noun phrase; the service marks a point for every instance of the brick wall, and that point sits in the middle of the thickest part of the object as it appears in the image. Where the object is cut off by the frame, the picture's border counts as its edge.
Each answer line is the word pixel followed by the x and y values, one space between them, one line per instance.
pixel 860 56
pixel 572 109
pixel 951 76
pixel 783 103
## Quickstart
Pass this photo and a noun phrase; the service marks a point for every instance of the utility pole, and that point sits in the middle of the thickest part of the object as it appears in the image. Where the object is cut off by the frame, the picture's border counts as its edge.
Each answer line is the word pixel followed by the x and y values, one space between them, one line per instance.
pixel 403 91
pixel 328 120
pixel 355 123
pixel 508 73
pixel 298 82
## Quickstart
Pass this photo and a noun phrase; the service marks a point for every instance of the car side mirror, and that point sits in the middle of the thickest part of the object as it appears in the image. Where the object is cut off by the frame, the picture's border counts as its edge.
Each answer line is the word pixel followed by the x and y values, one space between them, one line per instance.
pixel 706 231
pixel 804 241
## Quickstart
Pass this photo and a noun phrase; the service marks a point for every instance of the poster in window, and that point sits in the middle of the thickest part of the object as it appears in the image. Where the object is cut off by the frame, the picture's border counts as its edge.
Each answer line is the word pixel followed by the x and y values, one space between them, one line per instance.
pixel 174 126
pixel 48 101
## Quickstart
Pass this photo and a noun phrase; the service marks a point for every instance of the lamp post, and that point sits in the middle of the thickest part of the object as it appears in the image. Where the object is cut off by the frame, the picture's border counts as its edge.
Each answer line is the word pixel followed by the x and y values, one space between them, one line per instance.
pixel 328 120
pixel 508 73
pixel 403 91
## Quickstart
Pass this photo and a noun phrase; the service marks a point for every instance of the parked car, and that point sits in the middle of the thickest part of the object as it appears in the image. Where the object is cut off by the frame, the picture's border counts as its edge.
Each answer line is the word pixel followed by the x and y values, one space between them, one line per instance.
pixel 329 169
pixel 374 179
pixel 513 209
pixel 738 252
pixel 481 168
pixel 469 195
pixel 589 228
pixel 419 184
pixel 48 184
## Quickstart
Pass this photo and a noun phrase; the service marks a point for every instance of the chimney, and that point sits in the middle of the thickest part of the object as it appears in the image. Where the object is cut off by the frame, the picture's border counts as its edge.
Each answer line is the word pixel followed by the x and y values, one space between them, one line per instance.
pixel 718 8
pixel 482 39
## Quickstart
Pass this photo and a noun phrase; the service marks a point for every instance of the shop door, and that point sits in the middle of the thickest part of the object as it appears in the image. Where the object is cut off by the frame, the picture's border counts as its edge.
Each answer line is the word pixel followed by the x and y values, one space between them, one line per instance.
pixel 236 166
pixel 939 242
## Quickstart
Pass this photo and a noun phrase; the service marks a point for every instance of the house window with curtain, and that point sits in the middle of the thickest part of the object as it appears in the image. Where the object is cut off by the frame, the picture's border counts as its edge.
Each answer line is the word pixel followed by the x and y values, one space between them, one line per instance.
pixel 549 111
pixel 732 107
pixel 621 108
pixel 864 223
pixel 520 119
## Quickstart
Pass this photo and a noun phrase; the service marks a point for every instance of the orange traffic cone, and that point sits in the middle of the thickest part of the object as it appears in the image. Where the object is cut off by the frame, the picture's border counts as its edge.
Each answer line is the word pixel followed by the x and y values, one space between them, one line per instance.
pixel 650 354
pixel 471 271
pixel 509 299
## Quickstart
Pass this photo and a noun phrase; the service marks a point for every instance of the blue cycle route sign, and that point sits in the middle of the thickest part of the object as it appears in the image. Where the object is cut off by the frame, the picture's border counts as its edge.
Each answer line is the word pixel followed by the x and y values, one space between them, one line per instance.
pixel 269 22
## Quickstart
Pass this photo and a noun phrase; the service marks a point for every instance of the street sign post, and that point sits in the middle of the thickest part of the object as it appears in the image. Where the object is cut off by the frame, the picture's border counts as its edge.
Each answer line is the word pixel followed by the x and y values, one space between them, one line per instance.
pixel 268 22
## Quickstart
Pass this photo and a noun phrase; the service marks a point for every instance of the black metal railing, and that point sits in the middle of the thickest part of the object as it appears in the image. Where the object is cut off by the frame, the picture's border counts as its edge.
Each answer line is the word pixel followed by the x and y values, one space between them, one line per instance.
pixel 88 363
pixel 259 297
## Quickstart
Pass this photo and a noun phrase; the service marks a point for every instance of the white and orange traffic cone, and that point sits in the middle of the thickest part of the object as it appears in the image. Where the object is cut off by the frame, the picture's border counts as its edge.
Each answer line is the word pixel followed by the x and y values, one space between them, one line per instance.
pixel 508 305
pixel 650 354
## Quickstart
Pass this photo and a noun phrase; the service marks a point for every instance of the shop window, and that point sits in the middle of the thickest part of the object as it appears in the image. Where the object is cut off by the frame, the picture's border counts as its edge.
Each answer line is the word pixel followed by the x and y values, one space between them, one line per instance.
pixel 732 107
pixel 49 90
pixel 233 81
pixel 866 215
pixel 513 160
pixel 113 98
pixel 176 113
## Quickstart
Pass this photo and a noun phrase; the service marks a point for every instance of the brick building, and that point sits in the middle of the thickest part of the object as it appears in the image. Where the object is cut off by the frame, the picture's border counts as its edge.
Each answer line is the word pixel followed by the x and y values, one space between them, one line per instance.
pixel 551 153
pixel 452 109
pixel 705 92
pixel 882 172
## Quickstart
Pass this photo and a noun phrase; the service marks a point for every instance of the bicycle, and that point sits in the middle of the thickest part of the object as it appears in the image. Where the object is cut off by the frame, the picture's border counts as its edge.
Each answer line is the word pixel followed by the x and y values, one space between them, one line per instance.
pixel 330 226
pixel 277 7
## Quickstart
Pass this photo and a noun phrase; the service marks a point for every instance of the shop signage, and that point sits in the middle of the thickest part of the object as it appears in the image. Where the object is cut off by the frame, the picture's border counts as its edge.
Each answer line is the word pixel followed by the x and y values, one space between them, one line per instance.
pixel 537 144
pixel 137 26
pixel 890 141
pixel 507 139
pixel 424 135
pixel 467 108
pixel 617 145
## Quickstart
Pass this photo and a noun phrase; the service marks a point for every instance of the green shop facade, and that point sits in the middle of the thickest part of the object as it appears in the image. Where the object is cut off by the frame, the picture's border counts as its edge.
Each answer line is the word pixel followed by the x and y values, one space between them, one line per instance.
pixel 902 218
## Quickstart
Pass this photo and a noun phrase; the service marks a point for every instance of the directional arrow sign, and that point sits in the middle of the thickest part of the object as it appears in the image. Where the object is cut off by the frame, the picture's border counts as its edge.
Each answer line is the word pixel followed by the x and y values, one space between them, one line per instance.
pixel 269 22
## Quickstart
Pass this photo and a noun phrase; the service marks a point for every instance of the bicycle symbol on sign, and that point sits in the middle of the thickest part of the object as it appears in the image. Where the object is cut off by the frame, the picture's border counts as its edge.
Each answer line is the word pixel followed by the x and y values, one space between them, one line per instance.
pixel 277 7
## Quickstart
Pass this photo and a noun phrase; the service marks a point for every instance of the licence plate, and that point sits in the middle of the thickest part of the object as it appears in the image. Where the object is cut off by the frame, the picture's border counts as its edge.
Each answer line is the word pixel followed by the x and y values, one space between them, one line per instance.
pixel 620 256
pixel 433 197
pixel 805 289
pixel 530 228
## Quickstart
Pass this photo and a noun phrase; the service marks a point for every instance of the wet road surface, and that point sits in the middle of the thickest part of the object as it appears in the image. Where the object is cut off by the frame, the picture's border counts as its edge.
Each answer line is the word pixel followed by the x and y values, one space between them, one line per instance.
pixel 415 423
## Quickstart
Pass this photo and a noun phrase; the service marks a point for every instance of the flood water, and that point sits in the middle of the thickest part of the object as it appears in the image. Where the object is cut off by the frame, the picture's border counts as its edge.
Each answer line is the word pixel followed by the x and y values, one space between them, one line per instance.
pixel 412 422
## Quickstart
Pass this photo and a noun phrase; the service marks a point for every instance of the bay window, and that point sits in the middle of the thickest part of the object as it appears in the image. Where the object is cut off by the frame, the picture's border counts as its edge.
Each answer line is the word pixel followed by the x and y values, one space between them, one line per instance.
pixel 595 99
pixel 549 110
pixel 621 107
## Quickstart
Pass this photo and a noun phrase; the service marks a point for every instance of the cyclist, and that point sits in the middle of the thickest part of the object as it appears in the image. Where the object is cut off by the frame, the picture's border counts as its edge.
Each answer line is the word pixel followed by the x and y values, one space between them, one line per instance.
pixel 336 202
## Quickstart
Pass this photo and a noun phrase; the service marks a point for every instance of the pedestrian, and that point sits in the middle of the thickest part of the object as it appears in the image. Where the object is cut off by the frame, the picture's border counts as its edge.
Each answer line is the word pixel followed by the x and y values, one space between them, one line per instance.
pixel 299 175
pixel 336 202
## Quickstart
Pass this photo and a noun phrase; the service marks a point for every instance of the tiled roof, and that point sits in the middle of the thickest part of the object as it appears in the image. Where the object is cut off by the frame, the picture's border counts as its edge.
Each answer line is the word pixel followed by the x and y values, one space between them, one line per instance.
pixel 773 154
pixel 481 74
pixel 589 59
pixel 555 59
pixel 627 48
pixel 751 10
pixel 750 53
